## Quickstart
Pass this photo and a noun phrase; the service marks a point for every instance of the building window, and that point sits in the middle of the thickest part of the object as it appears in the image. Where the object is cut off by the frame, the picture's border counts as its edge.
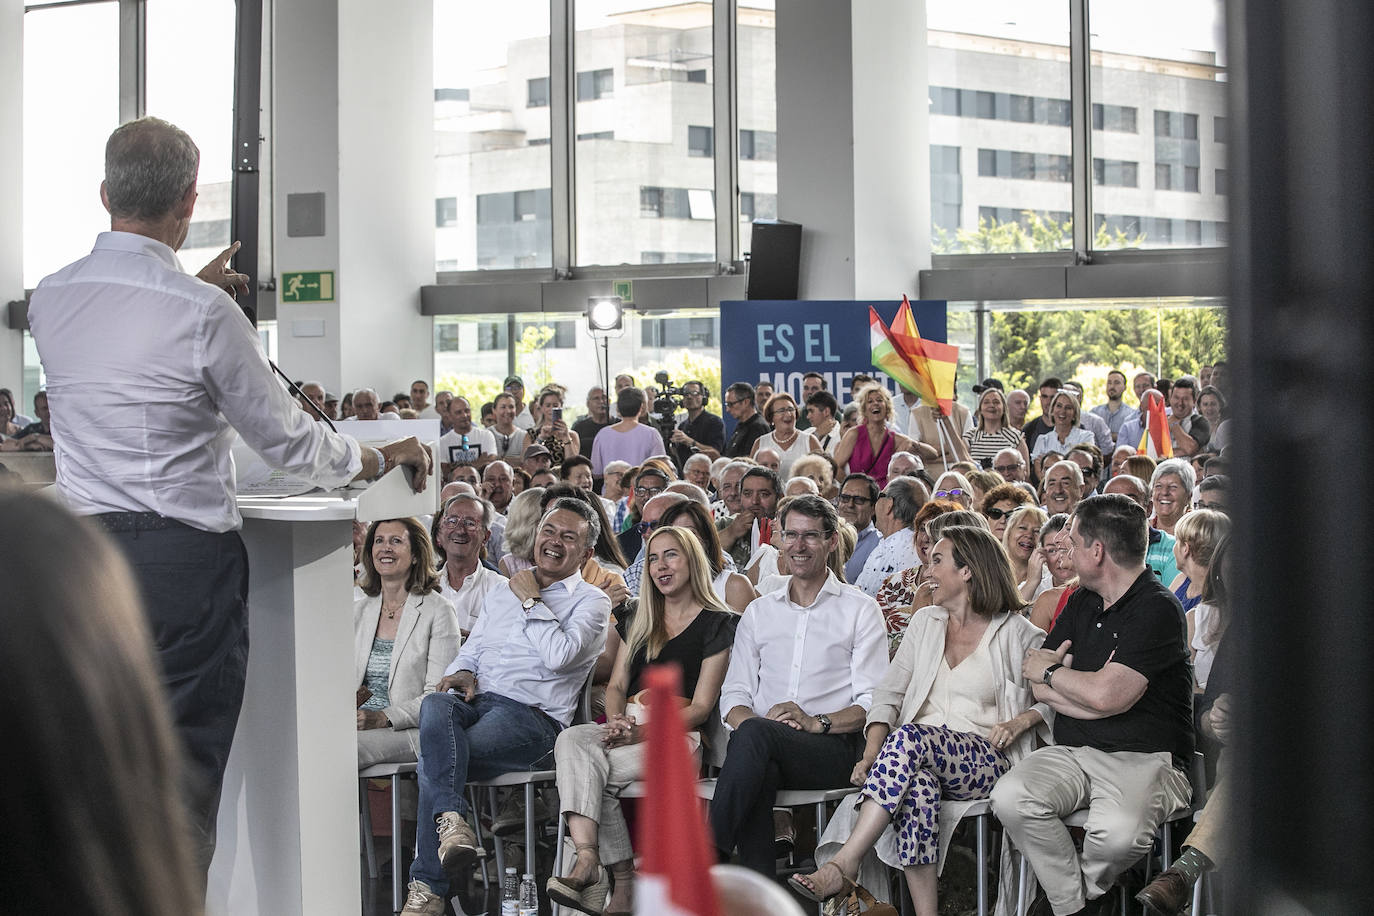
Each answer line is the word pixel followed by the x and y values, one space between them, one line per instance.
pixel 757 205
pixel 946 188
pixel 451 95
pixel 676 203
pixel 1001 163
pixel 1119 118
pixel 595 84
pixel 761 145
pixel 693 333
pixel 1221 186
pixel 944 100
pixel 700 142
pixel 696 76
pixel 1176 124
pixel 597 135
pixel 1115 173
pixel 1164 177
pixel 1191 176
pixel 491 335
pixel 1219 129
pixel 1000 216
pixel 446 211
pixel 538 92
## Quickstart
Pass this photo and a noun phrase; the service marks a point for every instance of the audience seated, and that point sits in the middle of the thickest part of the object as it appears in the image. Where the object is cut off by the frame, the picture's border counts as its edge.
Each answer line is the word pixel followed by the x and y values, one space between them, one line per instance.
pixel 867 449
pixel 856 504
pixel 1198 535
pixel 747 534
pixel 1058 561
pixel 1171 493
pixel 895 515
pixel 785 438
pixel 999 503
pixel 944 724
pixel 800 682
pixel 733 589
pixel 8 428
pixel 954 486
pixel 678 620
pixel 404 634
pixel 36 436
pixel 1021 540
pixel 515 686
pixel 91 764
pixel 1122 697
pixel 1062 486
pixel 899 588
pixel 1064 432
pixel 522 520
pixel 819 468
pixel 464 525
pixel 992 431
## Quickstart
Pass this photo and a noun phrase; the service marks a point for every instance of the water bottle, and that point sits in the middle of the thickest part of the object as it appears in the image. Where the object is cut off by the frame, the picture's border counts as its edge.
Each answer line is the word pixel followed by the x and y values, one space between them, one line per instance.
pixel 529 897
pixel 510 894
pixel 467 456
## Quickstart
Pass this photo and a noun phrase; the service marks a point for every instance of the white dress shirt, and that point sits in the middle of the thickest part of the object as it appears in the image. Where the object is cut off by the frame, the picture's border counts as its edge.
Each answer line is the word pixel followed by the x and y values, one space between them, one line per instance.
pixel 541 658
pixel 469 600
pixel 825 657
pixel 150 372
pixel 479 439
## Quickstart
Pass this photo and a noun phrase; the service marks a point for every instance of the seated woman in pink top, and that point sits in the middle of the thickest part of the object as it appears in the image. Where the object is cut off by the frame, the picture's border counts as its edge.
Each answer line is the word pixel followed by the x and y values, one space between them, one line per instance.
pixel 868 447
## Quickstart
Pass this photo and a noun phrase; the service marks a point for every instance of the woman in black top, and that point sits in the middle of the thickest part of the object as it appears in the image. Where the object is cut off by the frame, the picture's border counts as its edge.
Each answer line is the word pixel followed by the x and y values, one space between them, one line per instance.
pixel 679 621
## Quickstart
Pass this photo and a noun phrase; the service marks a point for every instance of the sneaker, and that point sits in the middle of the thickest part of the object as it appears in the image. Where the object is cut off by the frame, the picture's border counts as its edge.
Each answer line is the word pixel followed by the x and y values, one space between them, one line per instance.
pixel 511 818
pixel 420 901
pixel 457 843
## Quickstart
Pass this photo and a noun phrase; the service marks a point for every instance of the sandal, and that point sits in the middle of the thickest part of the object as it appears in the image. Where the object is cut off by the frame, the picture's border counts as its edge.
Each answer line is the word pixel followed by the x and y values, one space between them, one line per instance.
pixel 795 883
pixel 587 898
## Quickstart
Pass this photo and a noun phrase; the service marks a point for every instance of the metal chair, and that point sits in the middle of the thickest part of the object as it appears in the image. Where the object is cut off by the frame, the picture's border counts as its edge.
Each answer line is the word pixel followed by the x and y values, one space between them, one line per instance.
pixel 394 772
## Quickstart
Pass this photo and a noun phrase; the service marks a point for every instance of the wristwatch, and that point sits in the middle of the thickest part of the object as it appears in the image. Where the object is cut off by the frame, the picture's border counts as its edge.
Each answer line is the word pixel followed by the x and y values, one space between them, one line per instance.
pixel 528 604
pixel 1049 672
pixel 825 723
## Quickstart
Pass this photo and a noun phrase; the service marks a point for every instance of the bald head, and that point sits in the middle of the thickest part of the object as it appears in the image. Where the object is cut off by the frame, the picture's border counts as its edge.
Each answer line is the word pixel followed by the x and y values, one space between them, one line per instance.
pixel 1132 487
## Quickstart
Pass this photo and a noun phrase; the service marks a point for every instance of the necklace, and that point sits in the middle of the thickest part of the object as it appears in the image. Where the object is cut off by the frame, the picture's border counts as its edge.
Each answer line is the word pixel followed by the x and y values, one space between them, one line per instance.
pixel 391 613
pixel 790 439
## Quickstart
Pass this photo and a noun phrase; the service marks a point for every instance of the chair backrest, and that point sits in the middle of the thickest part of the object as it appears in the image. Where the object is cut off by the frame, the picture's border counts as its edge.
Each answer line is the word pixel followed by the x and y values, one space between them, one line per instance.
pixel 1197 775
pixel 744 892
pixel 714 740
pixel 584 706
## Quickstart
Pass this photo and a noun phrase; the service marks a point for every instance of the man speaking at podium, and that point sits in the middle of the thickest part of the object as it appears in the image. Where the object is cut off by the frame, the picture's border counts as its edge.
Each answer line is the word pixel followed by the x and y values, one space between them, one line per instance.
pixel 150 373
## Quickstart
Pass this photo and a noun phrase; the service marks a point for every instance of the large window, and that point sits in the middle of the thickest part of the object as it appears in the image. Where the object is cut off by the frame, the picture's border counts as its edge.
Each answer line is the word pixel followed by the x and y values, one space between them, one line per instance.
pixel 1167 65
pixel 645 76
pixel 71 103
pixel 756 53
pixel 491 134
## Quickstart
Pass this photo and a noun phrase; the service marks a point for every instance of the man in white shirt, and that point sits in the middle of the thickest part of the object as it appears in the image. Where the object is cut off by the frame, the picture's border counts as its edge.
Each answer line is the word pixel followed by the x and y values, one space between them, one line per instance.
pixel 419 400
pixel 366 405
pixel 150 372
pixel 805 661
pixel 516 683
pixel 514 385
pixel 464 527
pixel 480 447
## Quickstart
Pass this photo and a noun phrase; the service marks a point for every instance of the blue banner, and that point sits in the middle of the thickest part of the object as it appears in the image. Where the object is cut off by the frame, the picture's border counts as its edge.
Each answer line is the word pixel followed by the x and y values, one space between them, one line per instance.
pixel 780 341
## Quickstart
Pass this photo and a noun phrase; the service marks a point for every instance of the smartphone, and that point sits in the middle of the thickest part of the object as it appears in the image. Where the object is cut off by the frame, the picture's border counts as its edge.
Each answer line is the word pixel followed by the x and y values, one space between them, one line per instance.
pixel 558 413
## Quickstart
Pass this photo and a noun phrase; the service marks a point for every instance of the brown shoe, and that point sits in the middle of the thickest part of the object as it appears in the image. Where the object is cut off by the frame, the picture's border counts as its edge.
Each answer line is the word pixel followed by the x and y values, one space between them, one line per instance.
pixel 421 901
pixel 1168 894
pixel 457 843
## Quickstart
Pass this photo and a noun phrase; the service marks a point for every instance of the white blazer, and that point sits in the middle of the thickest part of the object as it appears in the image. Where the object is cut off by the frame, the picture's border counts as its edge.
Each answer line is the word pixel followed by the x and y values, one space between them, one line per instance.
pixel 426 641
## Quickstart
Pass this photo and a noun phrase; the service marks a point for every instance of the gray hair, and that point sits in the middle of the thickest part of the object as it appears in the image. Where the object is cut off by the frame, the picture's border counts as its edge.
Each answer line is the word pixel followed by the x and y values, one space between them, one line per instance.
pixel 688 489
pixel 697 458
pixel 149 166
pixel 1077 471
pixel 1179 468
pixel 583 511
pixel 487 509
pixel 906 493
pixel 371 391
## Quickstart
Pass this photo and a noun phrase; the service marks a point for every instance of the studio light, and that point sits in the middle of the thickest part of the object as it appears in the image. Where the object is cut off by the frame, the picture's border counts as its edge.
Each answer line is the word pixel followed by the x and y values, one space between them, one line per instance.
pixel 605 316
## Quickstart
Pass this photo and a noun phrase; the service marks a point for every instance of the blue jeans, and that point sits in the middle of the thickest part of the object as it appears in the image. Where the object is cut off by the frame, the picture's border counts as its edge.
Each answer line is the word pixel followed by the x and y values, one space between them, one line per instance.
pixel 460 741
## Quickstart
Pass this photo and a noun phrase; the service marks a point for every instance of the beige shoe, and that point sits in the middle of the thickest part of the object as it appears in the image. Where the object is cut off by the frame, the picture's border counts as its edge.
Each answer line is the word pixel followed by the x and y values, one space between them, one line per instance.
pixel 420 901
pixel 457 843
pixel 588 898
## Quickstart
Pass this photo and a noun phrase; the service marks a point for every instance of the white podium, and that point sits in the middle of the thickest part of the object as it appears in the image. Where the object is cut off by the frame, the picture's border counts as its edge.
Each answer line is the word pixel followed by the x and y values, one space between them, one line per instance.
pixel 288 822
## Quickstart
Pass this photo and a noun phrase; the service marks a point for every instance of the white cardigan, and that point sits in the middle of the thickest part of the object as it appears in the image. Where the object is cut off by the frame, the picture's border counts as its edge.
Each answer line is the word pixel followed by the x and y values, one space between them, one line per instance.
pixel 905 689
pixel 426 641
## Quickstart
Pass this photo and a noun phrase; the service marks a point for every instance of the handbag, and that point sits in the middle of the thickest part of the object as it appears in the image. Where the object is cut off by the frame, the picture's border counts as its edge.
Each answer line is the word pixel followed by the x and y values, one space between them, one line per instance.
pixel 849 904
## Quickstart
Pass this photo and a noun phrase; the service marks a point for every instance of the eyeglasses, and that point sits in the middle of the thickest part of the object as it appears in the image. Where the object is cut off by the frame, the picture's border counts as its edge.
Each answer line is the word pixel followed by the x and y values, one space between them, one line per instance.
pixel 846 499
pixel 778 410
pixel 643 492
pixel 1005 469
pixel 452 521
pixel 1058 551
pixel 995 513
pixel 731 403
pixel 946 494
pixel 1218 507
pixel 810 537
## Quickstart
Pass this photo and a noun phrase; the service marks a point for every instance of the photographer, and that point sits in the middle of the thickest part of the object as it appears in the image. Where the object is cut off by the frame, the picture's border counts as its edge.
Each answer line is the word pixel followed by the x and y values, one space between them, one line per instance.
pixel 701 432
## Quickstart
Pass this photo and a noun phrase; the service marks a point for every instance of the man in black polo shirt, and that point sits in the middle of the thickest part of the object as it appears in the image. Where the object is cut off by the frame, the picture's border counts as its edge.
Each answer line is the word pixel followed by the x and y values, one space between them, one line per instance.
pixel 739 400
pixel 701 431
pixel 1115 670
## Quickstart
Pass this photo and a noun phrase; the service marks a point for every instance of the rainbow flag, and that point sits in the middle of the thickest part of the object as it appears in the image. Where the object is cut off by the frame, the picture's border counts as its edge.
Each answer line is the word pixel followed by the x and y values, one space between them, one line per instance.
pixel 923 367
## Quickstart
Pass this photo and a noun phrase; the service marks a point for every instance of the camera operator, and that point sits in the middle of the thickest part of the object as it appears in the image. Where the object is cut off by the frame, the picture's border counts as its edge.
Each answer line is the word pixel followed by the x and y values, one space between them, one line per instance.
pixel 701 432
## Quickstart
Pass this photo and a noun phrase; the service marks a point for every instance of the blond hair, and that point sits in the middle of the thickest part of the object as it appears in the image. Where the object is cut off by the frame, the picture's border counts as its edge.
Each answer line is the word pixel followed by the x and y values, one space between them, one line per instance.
pixel 647 628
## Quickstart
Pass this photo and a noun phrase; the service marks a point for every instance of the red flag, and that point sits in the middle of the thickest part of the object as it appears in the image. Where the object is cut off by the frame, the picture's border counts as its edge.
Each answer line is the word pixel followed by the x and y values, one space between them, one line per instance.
pixel 675 871
pixel 935 362
pixel 1154 423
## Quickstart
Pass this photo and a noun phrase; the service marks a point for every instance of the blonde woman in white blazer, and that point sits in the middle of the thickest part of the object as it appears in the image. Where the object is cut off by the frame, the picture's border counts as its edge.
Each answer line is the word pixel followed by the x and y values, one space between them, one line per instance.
pixel 951 716
pixel 404 634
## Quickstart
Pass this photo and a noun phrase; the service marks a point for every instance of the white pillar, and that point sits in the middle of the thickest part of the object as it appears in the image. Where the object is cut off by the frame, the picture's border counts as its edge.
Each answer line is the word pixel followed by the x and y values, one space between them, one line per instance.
pixel 853 147
pixel 354 119
pixel 12 190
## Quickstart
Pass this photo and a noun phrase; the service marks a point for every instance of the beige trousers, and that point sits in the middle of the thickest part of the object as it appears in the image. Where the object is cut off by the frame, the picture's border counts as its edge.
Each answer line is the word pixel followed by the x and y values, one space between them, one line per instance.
pixel 387 745
pixel 590 780
pixel 1128 795
pixel 1209 834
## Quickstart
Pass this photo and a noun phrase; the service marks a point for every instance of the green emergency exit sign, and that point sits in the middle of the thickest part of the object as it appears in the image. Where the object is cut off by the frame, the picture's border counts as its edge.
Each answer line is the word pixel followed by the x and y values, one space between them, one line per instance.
pixel 308 286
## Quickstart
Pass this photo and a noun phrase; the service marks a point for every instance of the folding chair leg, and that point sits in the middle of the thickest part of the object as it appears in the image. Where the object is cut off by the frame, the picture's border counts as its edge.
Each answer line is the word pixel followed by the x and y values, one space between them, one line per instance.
pixel 1023 875
pixel 558 859
pixel 1197 894
pixel 500 846
pixel 982 843
pixel 397 866
pixel 365 829
pixel 529 828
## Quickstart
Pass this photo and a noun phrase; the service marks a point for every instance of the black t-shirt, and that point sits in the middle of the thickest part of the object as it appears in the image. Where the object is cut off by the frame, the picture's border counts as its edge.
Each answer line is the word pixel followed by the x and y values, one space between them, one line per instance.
pixel 709 632
pixel 1034 430
pixel 707 428
pixel 1145 631
pixel 746 434
pixel 586 429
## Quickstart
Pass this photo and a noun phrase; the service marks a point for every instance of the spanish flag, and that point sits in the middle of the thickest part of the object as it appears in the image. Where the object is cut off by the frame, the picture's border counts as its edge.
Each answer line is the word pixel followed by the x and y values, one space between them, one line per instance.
pixel 923 367
pixel 1154 425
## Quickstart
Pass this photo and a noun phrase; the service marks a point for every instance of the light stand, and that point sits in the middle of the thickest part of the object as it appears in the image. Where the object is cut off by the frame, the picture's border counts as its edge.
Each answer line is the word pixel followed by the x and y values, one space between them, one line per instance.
pixel 605 319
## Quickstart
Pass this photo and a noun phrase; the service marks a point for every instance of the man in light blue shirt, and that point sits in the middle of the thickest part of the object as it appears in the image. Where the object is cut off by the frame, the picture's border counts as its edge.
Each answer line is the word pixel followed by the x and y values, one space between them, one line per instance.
pixel 513 687
pixel 1116 411
pixel 855 504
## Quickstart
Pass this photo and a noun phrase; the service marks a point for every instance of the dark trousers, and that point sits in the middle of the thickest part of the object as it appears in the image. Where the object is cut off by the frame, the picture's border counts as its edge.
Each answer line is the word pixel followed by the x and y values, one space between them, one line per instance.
pixel 194 586
pixel 763 757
